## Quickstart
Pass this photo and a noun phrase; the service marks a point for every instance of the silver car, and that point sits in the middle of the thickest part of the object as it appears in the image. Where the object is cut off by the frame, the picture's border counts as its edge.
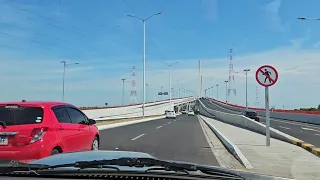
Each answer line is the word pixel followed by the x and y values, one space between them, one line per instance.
pixel 190 113
pixel 171 114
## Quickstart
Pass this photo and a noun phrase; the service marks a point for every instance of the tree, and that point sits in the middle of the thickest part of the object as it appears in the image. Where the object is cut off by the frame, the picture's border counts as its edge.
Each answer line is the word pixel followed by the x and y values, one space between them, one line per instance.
pixel 106 104
pixel 319 107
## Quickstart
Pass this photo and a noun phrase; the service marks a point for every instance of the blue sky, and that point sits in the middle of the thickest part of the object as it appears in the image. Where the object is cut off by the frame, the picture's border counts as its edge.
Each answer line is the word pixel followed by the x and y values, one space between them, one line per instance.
pixel 35 35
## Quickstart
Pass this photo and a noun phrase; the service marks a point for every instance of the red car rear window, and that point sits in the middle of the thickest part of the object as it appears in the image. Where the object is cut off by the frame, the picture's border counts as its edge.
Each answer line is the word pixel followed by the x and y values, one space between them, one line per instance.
pixel 18 115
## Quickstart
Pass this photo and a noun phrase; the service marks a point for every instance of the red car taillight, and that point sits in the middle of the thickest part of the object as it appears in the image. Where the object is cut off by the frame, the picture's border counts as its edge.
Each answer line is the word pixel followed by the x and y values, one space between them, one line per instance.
pixel 37 134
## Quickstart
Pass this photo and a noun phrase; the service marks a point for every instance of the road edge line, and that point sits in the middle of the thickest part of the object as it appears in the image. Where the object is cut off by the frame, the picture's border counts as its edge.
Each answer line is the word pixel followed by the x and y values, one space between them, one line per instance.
pixel 233 149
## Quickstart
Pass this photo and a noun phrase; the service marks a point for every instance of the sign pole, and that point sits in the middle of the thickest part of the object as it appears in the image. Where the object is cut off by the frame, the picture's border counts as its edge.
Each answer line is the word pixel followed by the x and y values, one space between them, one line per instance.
pixel 267 76
pixel 267 116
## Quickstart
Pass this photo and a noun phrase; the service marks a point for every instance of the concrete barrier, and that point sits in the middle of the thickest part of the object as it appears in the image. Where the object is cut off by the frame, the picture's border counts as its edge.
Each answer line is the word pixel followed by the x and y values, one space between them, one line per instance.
pixel 151 109
pixel 306 118
pixel 233 149
pixel 246 123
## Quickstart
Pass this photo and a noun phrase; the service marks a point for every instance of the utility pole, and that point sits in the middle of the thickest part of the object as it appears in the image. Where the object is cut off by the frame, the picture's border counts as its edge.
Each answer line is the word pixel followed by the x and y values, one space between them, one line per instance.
pixel 231 75
pixel 257 97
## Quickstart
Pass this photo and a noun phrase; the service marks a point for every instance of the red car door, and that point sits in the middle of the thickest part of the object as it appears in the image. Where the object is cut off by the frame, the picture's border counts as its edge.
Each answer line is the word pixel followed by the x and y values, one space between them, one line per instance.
pixel 84 137
pixel 66 130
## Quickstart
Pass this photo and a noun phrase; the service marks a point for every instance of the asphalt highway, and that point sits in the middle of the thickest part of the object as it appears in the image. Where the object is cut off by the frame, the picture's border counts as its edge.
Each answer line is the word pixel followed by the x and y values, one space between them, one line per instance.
pixel 180 139
pixel 309 133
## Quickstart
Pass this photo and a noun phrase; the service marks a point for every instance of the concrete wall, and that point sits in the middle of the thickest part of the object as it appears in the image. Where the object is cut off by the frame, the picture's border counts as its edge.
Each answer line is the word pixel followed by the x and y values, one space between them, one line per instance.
pixel 244 122
pixel 307 118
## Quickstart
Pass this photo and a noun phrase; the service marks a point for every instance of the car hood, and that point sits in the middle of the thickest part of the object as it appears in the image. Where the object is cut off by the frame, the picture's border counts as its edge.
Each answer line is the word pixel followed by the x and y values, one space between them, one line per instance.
pixel 67 158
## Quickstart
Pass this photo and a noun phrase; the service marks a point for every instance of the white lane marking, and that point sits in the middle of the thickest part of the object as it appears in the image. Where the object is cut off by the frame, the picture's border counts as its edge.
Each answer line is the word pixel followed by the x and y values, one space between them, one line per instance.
pixel 137 137
pixel 309 129
pixel 284 127
pixel 159 127
pixel 169 122
pixel 317 134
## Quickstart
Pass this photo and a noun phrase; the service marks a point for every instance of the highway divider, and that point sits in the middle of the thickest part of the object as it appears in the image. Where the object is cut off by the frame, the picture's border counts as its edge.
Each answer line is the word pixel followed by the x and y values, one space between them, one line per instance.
pixel 151 109
pixel 249 124
pixel 299 117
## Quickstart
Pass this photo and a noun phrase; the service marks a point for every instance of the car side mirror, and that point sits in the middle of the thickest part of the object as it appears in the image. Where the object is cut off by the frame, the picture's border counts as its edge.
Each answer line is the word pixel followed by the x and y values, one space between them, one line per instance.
pixel 92 121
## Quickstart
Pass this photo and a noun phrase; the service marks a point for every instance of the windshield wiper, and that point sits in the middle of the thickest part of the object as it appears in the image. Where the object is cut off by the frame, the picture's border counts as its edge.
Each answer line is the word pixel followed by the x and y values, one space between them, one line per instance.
pixel 149 162
pixel 155 164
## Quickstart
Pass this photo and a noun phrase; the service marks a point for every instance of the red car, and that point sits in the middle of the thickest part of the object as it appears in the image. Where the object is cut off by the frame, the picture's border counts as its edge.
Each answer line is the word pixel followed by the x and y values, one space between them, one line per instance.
pixel 33 130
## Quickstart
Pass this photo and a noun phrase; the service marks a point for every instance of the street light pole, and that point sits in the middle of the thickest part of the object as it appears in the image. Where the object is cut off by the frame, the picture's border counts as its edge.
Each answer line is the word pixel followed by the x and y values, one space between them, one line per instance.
pixel 144 56
pixel 65 64
pixel 226 91
pixel 147 85
pixel 123 91
pixel 212 91
pixel 217 91
pixel 170 78
pixel 303 18
pixel 246 71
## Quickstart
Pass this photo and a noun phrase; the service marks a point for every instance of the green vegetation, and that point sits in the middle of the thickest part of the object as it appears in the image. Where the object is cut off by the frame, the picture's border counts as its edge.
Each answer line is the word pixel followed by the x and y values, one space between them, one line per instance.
pixel 311 109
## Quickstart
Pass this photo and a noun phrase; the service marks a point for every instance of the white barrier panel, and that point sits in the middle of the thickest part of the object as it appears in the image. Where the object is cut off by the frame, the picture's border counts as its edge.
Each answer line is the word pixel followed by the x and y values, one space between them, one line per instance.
pixel 151 109
pixel 246 123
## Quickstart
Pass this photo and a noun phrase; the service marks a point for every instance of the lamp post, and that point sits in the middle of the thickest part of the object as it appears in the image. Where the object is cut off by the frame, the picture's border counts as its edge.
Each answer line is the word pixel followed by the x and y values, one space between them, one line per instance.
pixel 169 65
pixel 123 91
pixel 144 55
pixel 217 91
pixel 212 91
pixel 304 18
pixel 65 64
pixel 161 92
pixel 226 91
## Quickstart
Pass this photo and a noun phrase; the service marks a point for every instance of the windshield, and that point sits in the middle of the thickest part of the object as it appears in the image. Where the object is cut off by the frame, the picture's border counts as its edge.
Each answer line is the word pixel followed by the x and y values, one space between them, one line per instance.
pixel 251 113
pixel 224 83
pixel 19 115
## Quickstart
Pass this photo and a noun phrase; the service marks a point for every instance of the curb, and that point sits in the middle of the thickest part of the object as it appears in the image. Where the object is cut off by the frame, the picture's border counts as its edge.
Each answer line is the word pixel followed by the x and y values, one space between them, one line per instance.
pixel 309 147
pixel 233 149
pixel 109 126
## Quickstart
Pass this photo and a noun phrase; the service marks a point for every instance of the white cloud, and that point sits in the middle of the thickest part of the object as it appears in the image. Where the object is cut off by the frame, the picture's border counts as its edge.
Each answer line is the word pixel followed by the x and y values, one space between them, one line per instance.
pixel 273 19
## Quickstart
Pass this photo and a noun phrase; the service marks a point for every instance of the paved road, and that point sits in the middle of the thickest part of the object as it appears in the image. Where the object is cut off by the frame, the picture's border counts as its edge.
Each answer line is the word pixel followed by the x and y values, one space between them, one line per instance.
pixel 181 139
pixel 309 133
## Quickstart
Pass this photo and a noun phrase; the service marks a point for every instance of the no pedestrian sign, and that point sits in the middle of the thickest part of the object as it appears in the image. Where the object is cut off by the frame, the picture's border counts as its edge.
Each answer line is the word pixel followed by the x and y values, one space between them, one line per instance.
pixel 266 75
